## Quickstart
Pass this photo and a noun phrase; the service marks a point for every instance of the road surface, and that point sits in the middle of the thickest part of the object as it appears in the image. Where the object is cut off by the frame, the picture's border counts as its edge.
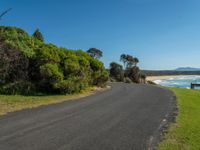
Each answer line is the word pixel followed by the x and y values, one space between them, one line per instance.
pixel 125 117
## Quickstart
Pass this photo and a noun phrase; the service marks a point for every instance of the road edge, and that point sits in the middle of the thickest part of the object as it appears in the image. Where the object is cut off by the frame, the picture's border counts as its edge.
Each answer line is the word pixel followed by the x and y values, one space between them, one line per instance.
pixel 165 124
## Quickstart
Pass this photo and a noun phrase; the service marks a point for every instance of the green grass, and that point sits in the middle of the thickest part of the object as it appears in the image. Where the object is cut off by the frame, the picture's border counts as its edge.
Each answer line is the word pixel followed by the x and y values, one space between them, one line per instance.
pixel 185 133
pixel 10 103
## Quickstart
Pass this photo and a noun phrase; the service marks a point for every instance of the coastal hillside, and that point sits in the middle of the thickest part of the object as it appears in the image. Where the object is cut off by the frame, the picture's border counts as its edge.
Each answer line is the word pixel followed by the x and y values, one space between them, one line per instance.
pixel 31 66
pixel 187 69
pixel 169 72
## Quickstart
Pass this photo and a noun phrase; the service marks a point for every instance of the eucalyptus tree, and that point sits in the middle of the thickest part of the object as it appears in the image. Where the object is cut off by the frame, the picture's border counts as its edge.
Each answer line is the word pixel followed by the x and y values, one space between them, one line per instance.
pixel 123 58
pixel 136 61
pixel 95 53
pixel 116 71
pixel 130 61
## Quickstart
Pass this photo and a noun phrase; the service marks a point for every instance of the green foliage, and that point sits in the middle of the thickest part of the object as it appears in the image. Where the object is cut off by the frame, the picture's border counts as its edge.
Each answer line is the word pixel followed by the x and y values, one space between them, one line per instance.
pixel 17 39
pixel 96 64
pixel 127 80
pixel 51 73
pixel 25 59
pixel 13 64
pixel 19 87
pixel 38 35
pixel 116 71
pixel 129 61
pixel 71 65
pixel 133 73
pixel 151 82
pixel 100 78
pixel 95 53
pixel 130 73
pixel 71 85
pixel 47 53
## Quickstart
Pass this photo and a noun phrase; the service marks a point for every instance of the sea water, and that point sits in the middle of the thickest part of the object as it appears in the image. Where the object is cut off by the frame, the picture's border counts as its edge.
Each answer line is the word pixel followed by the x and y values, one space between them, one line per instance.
pixel 181 82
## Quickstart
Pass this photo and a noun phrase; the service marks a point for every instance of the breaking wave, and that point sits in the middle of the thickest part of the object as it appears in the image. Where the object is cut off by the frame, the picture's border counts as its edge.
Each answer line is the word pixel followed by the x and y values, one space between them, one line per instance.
pixel 182 82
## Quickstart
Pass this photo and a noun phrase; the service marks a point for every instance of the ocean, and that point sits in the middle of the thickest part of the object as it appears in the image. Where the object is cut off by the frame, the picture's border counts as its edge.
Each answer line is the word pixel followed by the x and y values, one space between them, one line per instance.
pixel 180 82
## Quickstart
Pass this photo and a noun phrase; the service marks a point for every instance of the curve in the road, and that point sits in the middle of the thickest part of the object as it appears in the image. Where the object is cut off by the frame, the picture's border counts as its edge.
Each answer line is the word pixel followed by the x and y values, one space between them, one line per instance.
pixel 126 117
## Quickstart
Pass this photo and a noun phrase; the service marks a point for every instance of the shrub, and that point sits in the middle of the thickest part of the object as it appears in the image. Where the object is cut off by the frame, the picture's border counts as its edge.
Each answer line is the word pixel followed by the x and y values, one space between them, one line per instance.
pixel 48 68
pixel 100 78
pixel 13 64
pixel 151 82
pixel 133 73
pixel 127 80
pixel 46 53
pixel 71 65
pixel 71 85
pixel 95 64
pixel 38 35
pixel 20 87
pixel 103 78
pixel 116 71
pixel 112 79
pixel 51 73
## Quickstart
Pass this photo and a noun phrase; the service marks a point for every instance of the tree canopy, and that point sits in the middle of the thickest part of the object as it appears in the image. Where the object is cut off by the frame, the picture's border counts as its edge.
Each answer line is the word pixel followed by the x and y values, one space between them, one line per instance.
pixel 130 73
pixel 128 60
pixel 95 53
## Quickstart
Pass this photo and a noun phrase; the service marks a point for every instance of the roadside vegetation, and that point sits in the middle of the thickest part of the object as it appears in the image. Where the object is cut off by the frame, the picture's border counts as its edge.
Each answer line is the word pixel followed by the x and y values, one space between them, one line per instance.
pixel 10 103
pixel 29 66
pixel 184 134
pixel 34 73
pixel 129 72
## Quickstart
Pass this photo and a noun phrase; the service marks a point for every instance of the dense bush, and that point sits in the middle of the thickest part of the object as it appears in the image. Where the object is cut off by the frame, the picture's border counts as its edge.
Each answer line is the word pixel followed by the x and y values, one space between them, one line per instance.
pixel 28 65
pixel 18 87
pixel 127 80
pixel 38 35
pixel 130 72
pixel 116 71
pixel 151 82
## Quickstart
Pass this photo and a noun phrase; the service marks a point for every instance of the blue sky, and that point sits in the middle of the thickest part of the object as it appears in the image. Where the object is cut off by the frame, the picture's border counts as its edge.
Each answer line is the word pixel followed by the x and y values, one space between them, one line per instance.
pixel 163 34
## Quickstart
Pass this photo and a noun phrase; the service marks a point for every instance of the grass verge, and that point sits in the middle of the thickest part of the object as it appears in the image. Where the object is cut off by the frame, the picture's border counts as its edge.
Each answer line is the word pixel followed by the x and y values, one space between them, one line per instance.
pixel 10 103
pixel 185 133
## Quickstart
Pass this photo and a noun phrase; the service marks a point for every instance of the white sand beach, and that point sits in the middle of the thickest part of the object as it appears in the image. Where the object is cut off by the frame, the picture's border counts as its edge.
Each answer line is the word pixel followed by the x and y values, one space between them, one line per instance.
pixel 153 78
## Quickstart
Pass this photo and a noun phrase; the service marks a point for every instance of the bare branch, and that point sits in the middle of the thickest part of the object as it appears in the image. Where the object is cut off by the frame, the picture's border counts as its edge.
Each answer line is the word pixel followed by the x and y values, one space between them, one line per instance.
pixel 5 12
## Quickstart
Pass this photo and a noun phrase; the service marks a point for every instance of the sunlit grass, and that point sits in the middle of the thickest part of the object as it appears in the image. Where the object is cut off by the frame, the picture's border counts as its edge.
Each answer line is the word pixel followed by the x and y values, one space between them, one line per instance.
pixel 185 133
pixel 10 103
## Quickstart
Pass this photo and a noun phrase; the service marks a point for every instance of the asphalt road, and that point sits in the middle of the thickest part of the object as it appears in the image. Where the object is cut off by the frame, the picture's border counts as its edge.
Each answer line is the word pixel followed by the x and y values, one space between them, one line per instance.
pixel 126 117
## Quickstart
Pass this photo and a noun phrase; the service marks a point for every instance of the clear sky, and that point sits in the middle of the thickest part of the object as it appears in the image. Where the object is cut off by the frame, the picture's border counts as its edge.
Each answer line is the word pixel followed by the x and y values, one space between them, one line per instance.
pixel 163 34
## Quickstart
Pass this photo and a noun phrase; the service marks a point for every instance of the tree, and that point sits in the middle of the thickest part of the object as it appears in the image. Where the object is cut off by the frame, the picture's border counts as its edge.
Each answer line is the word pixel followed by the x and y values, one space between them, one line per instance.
pixel 38 35
pixel 95 53
pixel 142 78
pixel 123 59
pixel 133 74
pixel 136 61
pixel 130 61
pixel 116 71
